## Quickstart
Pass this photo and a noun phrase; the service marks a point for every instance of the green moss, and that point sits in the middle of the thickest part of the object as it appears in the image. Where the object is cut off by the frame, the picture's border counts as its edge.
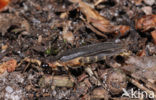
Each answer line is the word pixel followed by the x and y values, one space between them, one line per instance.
pixel 48 51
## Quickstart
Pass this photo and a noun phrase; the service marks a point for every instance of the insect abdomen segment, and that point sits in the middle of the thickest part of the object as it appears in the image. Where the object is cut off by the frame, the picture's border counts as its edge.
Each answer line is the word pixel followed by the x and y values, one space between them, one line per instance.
pixel 91 59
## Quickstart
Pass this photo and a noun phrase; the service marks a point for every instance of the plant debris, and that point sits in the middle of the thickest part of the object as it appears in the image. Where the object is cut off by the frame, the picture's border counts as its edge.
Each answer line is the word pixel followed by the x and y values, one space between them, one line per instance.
pixel 59 81
pixel 9 66
pixel 146 22
pixel 3 3
pixel 98 21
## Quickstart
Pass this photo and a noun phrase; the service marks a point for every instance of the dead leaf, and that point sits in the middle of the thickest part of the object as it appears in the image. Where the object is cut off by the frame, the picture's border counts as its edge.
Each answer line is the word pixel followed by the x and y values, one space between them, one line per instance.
pixel 99 1
pixel 123 30
pixel 153 33
pixel 9 66
pixel 95 19
pixel 141 53
pixel 146 22
pixel 3 3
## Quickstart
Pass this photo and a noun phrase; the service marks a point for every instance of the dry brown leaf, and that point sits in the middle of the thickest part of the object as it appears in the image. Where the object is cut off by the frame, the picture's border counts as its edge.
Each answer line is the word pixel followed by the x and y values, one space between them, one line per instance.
pixel 103 25
pixel 94 18
pixel 9 66
pixel 3 3
pixel 146 22
pixel 99 1
pixel 141 53
pixel 123 29
pixel 153 33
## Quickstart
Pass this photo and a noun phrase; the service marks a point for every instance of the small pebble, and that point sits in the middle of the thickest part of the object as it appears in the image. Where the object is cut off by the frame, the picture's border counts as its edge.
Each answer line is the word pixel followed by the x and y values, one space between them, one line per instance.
pixel 68 36
pixel 147 10
pixel 9 89
pixel 39 38
pixel 149 2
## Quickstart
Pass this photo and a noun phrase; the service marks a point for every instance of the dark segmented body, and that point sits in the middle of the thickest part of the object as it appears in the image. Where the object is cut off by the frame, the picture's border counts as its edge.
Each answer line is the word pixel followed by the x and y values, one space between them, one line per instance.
pixel 90 50
pixel 91 59
pixel 98 57
pixel 87 54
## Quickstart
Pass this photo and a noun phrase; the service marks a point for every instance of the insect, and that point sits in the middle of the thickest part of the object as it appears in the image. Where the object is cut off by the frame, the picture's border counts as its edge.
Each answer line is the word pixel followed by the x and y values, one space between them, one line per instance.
pixel 87 54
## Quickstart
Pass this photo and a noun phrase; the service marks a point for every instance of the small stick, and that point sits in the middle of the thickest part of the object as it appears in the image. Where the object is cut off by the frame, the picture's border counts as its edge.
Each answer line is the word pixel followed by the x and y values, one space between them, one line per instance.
pixel 136 83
